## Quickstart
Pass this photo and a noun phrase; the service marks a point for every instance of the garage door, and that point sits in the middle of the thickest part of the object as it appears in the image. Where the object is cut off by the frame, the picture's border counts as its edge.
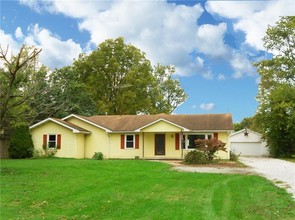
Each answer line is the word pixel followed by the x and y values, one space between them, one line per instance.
pixel 246 149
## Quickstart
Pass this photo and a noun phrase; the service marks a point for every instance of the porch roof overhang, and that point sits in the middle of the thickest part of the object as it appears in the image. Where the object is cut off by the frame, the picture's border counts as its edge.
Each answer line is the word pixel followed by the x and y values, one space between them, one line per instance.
pixel 181 128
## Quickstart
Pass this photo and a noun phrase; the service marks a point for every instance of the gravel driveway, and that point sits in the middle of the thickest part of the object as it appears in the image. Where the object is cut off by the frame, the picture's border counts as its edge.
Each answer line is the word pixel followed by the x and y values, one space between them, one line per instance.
pixel 281 172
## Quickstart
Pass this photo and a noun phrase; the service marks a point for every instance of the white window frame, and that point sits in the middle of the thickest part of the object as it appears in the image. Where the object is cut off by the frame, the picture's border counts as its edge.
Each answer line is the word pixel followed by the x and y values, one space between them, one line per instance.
pixel 126 141
pixel 48 141
pixel 187 140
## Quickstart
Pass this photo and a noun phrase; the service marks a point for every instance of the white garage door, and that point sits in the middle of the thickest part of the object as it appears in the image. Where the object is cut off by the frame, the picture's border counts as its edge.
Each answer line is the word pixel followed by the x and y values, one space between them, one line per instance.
pixel 246 149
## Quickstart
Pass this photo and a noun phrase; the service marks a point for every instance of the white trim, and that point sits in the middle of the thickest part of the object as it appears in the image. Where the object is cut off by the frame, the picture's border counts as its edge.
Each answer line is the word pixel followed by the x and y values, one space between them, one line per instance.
pixel 240 131
pixel 87 121
pixel 57 122
pixel 161 119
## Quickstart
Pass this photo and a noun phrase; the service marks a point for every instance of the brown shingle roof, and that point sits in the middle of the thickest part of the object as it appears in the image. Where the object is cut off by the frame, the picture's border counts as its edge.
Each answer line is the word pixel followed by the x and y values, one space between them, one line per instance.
pixel 197 122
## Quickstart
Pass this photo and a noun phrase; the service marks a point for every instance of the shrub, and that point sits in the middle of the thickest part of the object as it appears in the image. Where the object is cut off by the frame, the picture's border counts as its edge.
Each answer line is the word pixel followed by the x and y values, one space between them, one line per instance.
pixel 233 156
pixel 21 144
pixel 98 156
pixel 196 157
pixel 48 153
pixel 210 147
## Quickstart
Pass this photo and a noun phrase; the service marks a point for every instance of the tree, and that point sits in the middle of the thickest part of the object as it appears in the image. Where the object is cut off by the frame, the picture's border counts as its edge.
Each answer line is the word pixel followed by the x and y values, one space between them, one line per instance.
pixel 248 122
pixel 276 97
pixel 119 77
pixel 169 92
pixel 68 94
pixel 17 77
pixel 21 144
pixel 245 123
pixel 122 81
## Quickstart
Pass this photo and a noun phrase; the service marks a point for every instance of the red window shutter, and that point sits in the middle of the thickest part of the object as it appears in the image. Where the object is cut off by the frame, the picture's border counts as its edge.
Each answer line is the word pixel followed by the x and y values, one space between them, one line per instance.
pixel 58 141
pixel 44 141
pixel 137 141
pixel 216 136
pixel 176 141
pixel 122 141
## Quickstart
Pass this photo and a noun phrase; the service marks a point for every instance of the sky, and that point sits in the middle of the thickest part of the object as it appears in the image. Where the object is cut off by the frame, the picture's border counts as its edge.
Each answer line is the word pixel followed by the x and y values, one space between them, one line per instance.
pixel 212 44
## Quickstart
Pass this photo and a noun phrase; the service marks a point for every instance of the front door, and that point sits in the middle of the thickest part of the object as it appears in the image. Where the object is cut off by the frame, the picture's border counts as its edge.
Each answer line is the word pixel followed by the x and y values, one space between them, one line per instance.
pixel 159 144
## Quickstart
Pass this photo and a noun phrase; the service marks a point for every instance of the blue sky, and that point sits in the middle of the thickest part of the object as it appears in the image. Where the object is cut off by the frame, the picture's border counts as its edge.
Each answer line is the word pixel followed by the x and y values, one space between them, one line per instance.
pixel 212 44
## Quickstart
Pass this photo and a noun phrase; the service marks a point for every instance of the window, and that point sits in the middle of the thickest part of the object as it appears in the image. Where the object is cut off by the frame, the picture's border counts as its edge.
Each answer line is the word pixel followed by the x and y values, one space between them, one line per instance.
pixel 129 139
pixel 188 141
pixel 192 138
pixel 51 141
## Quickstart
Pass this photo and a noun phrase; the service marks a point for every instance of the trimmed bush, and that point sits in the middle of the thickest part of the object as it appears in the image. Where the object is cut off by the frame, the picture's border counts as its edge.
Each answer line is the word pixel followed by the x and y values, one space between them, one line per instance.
pixel 196 157
pixel 21 144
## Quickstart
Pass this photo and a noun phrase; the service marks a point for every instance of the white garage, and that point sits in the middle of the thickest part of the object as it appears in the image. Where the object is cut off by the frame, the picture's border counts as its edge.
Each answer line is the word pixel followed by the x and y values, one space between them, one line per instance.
pixel 247 143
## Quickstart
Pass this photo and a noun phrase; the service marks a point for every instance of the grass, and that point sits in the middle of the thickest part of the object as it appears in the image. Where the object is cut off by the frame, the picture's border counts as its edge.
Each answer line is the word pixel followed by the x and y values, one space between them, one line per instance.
pixel 133 189
pixel 292 159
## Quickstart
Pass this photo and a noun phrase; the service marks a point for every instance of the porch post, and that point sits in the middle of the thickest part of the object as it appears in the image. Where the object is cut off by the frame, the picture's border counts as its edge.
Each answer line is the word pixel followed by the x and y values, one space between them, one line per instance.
pixel 142 145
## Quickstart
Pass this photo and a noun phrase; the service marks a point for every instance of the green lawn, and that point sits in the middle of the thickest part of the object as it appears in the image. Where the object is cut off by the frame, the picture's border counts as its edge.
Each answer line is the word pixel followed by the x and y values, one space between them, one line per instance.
pixel 292 159
pixel 133 189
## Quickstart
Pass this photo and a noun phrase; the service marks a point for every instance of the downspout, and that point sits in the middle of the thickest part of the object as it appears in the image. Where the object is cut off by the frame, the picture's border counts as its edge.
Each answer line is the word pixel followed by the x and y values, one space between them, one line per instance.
pixel 84 146
pixel 142 145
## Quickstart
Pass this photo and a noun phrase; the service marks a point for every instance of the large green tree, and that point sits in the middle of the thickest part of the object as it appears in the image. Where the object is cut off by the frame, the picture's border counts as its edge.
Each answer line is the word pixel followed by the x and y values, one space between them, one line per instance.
pixel 168 92
pixel 122 80
pixel 276 94
pixel 68 94
pixel 19 75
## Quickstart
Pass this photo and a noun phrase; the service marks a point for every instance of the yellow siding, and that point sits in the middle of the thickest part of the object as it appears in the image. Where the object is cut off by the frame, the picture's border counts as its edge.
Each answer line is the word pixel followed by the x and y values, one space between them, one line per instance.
pixel 149 145
pixel 223 136
pixel 68 139
pixel 161 126
pixel 80 150
pixel 117 152
pixel 84 146
pixel 170 152
pixel 97 141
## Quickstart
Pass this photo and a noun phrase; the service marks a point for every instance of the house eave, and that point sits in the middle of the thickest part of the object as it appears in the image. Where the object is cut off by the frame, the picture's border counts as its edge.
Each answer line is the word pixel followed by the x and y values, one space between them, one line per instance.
pixel 161 119
pixel 57 122
pixel 87 121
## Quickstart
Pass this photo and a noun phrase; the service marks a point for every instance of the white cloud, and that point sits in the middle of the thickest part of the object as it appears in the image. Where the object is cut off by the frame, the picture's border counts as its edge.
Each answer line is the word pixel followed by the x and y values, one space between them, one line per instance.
pixel 75 9
pixel 55 52
pixel 252 17
pixel 210 38
pixel 18 33
pixel 241 65
pixel 207 106
pixel 6 40
pixel 221 77
pixel 166 32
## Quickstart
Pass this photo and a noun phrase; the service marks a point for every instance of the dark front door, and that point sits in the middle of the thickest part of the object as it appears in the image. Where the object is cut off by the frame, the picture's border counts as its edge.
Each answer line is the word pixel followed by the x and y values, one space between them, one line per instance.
pixel 159 144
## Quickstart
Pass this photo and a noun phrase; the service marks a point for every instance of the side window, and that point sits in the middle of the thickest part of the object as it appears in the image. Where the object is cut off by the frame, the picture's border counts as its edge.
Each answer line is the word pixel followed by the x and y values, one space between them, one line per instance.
pixel 129 141
pixel 52 141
